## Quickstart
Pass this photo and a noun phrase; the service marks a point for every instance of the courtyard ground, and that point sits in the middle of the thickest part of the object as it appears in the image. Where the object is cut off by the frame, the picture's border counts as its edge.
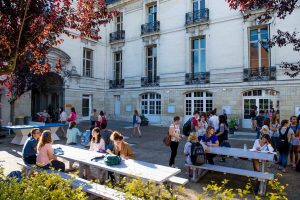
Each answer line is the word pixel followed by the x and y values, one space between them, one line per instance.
pixel 151 149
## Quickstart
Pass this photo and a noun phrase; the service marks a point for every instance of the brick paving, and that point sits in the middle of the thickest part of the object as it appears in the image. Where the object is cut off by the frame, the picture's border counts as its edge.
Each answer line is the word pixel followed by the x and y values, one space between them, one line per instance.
pixel 151 149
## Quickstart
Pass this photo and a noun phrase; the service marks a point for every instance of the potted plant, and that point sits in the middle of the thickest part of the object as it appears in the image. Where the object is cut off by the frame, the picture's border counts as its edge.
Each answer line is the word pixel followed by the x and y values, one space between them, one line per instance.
pixel 232 125
pixel 144 120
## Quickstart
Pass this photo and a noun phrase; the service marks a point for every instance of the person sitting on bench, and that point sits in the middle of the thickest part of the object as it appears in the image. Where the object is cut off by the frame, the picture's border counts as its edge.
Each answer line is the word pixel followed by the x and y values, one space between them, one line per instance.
pixel 263 144
pixel 29 148
pixel 45 158
pixel 209 140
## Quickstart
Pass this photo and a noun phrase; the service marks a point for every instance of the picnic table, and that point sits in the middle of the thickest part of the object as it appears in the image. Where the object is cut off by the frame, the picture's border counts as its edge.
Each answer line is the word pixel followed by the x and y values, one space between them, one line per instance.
pixel 22 131
pixel 128 167
pixel 200 171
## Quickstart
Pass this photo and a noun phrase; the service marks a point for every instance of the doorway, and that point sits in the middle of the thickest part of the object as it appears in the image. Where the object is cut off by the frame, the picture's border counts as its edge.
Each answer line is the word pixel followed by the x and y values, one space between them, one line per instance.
pixel 117 105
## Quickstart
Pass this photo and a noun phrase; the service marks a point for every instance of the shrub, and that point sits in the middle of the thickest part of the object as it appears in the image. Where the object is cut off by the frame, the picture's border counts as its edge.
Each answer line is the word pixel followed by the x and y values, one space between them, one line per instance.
pixel 39 186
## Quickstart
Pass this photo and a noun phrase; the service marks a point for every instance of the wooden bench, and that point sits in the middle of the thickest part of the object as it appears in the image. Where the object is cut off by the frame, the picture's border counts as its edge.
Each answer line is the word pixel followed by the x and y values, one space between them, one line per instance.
pixel 91 188
pixel 261 176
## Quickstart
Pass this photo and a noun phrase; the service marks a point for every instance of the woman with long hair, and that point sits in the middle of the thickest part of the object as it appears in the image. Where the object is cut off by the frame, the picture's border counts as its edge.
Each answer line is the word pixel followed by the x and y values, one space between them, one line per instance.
pixel 274 126
pixel 136 121
pixel 73 115
pixel 202 126
pixel 121 148
pixel 209 140
pixel 262 144
pixel 45 158
pixel 97 143
pixel 174 132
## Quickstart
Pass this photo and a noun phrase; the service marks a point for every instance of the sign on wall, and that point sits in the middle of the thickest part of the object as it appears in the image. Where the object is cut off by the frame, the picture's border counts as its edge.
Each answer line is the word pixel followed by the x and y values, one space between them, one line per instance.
pixel 227 110
pixel 171 109
pixel 128 108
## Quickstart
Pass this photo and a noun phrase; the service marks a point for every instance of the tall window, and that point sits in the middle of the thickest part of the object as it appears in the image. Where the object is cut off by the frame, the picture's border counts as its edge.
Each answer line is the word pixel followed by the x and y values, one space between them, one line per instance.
pixel 118 66
pixel 259 51
pixel 151 104
pixel 151 63
pixel 198 101
pixel 86 105
pixel 152 13
pixel 198 5
pixel 119 22
pixel 198 55
pixel 87 62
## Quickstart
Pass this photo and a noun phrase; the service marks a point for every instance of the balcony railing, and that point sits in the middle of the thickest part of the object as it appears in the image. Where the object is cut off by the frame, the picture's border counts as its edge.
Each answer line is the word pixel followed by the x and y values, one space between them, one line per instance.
pixel 117 36
pixel 150 81
pixel 197 78
pixel 149 28
pixel 197 16
pixel 260 74
pixel 116 84
pixel 111 1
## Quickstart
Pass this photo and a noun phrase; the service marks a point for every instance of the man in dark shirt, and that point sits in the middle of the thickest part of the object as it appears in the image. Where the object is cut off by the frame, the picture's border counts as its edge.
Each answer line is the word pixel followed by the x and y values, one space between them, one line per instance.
pixel 29 148
pixel 259 121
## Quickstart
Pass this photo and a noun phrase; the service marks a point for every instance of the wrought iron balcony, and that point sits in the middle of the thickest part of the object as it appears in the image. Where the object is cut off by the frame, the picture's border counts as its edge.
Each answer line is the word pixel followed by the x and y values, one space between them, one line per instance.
pixel 197 16
pixel 116 84
pixel 149 28
pixel 117 36
pixel 197 78
pixel 111 1
pixel 150 81
pixel 260 74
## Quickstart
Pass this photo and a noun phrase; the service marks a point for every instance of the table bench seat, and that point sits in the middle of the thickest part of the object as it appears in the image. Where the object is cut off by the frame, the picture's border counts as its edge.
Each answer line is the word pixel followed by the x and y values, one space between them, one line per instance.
pixel 178 180
pixel 230 170
pixel 91 188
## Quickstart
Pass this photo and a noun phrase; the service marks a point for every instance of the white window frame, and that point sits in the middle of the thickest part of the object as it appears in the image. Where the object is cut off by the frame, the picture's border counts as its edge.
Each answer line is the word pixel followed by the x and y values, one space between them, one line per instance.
pixel 85 72
pixel 259 46
pixel 115 65
pixel 89 98
pixel 154 63
pixel 199 50
pixel 152 14
pixel 147 102
pixel 204 98
pixel 119 22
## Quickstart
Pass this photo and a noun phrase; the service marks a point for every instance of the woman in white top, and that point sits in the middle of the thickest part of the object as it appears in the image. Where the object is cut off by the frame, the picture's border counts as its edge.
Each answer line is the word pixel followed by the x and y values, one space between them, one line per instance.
pixel 262 144
pixel 97 143
pixel 174 132
pixel 202 126
pixel 62 119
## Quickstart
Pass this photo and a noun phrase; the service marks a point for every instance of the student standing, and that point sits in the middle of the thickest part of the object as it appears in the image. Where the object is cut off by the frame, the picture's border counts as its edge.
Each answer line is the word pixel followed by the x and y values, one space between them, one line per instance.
pixel 274 132
pixel 136 121
pixel 73 115
pixel 93 117
pixel 62 119
pixel 214 120
pixel 29 148
pixel 174 132
pixel 295 142
pixel 286 134
pixel 259 120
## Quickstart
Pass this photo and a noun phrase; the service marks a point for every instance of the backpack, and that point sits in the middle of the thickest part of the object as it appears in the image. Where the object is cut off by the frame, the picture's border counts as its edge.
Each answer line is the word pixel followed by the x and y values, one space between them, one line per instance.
pixel 197 154
pixel 112 159
pixel 187 127
pixel 283 143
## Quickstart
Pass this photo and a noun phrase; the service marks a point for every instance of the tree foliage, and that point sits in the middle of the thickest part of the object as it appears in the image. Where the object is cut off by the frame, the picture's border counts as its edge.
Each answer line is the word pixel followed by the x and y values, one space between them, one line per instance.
pixel 29 28
pixel 269 9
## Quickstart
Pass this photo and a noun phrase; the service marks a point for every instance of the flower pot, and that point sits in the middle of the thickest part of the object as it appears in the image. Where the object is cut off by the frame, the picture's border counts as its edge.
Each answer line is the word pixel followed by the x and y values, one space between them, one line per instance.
pixel 144 123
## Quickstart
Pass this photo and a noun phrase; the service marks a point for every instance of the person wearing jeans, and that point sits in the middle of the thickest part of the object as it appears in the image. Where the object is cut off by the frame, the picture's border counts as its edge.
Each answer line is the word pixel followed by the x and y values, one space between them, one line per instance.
pixel 286 134
pixel 174 132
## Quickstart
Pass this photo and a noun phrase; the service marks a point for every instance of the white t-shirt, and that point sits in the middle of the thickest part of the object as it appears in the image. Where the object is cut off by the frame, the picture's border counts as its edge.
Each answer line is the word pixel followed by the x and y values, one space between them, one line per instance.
pixel 265 147
pixel 214 121
pixel 63 116
pixel 98 146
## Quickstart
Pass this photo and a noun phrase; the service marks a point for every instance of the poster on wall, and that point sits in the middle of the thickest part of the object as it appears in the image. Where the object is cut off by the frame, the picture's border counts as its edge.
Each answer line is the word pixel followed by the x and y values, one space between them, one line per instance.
pixel 297 111
pixel 171 109
pixel 226 109
pixel 128 108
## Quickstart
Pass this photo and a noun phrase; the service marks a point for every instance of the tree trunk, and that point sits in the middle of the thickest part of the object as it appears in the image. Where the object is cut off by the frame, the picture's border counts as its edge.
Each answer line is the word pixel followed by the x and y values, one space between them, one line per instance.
pixel 12 112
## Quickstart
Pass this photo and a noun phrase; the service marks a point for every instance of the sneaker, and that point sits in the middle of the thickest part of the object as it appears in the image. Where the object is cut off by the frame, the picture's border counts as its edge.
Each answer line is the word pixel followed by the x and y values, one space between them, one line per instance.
pixel 284 171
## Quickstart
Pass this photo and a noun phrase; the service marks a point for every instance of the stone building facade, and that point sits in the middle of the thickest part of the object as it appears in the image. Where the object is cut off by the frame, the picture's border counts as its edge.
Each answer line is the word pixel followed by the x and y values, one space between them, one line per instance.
pixel 171 57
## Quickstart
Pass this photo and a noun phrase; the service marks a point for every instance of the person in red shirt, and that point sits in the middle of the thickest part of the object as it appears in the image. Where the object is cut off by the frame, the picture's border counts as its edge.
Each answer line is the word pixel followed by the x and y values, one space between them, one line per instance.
pixel 195 122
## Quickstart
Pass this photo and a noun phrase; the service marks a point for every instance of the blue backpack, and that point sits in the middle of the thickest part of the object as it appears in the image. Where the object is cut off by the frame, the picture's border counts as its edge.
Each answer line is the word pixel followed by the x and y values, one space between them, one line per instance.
pixel 15 174
pixel 85 138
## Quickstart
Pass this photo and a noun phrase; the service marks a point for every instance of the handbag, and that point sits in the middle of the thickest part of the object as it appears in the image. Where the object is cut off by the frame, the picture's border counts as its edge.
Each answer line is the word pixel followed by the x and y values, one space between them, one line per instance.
pixel 167 140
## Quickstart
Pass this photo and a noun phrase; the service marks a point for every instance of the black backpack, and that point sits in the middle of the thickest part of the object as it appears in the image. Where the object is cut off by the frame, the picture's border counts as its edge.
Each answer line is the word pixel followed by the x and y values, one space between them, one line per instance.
pixel 197 154
pixel 187 127
pixel 283 143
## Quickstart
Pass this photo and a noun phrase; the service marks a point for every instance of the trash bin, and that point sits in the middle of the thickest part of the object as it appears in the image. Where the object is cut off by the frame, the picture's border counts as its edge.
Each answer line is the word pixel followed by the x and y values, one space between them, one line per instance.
pixel 27 120
pixel 19 120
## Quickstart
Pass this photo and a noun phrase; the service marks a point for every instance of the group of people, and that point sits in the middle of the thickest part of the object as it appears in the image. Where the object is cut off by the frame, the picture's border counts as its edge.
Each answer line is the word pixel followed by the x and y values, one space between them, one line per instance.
pixel 209 130
pixel 212 130
pixel 282 137
pixel 38 147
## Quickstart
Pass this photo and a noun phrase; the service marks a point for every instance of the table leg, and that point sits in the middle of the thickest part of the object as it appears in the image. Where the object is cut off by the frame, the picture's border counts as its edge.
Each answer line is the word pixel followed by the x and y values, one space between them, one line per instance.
pixel 20 137
pixel 263 165
pixel 81 168
pixel 53 133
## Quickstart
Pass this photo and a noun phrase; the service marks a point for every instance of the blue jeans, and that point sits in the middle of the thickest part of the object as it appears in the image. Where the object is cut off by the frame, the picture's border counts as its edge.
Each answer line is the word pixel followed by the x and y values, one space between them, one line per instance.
pixel 283 158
